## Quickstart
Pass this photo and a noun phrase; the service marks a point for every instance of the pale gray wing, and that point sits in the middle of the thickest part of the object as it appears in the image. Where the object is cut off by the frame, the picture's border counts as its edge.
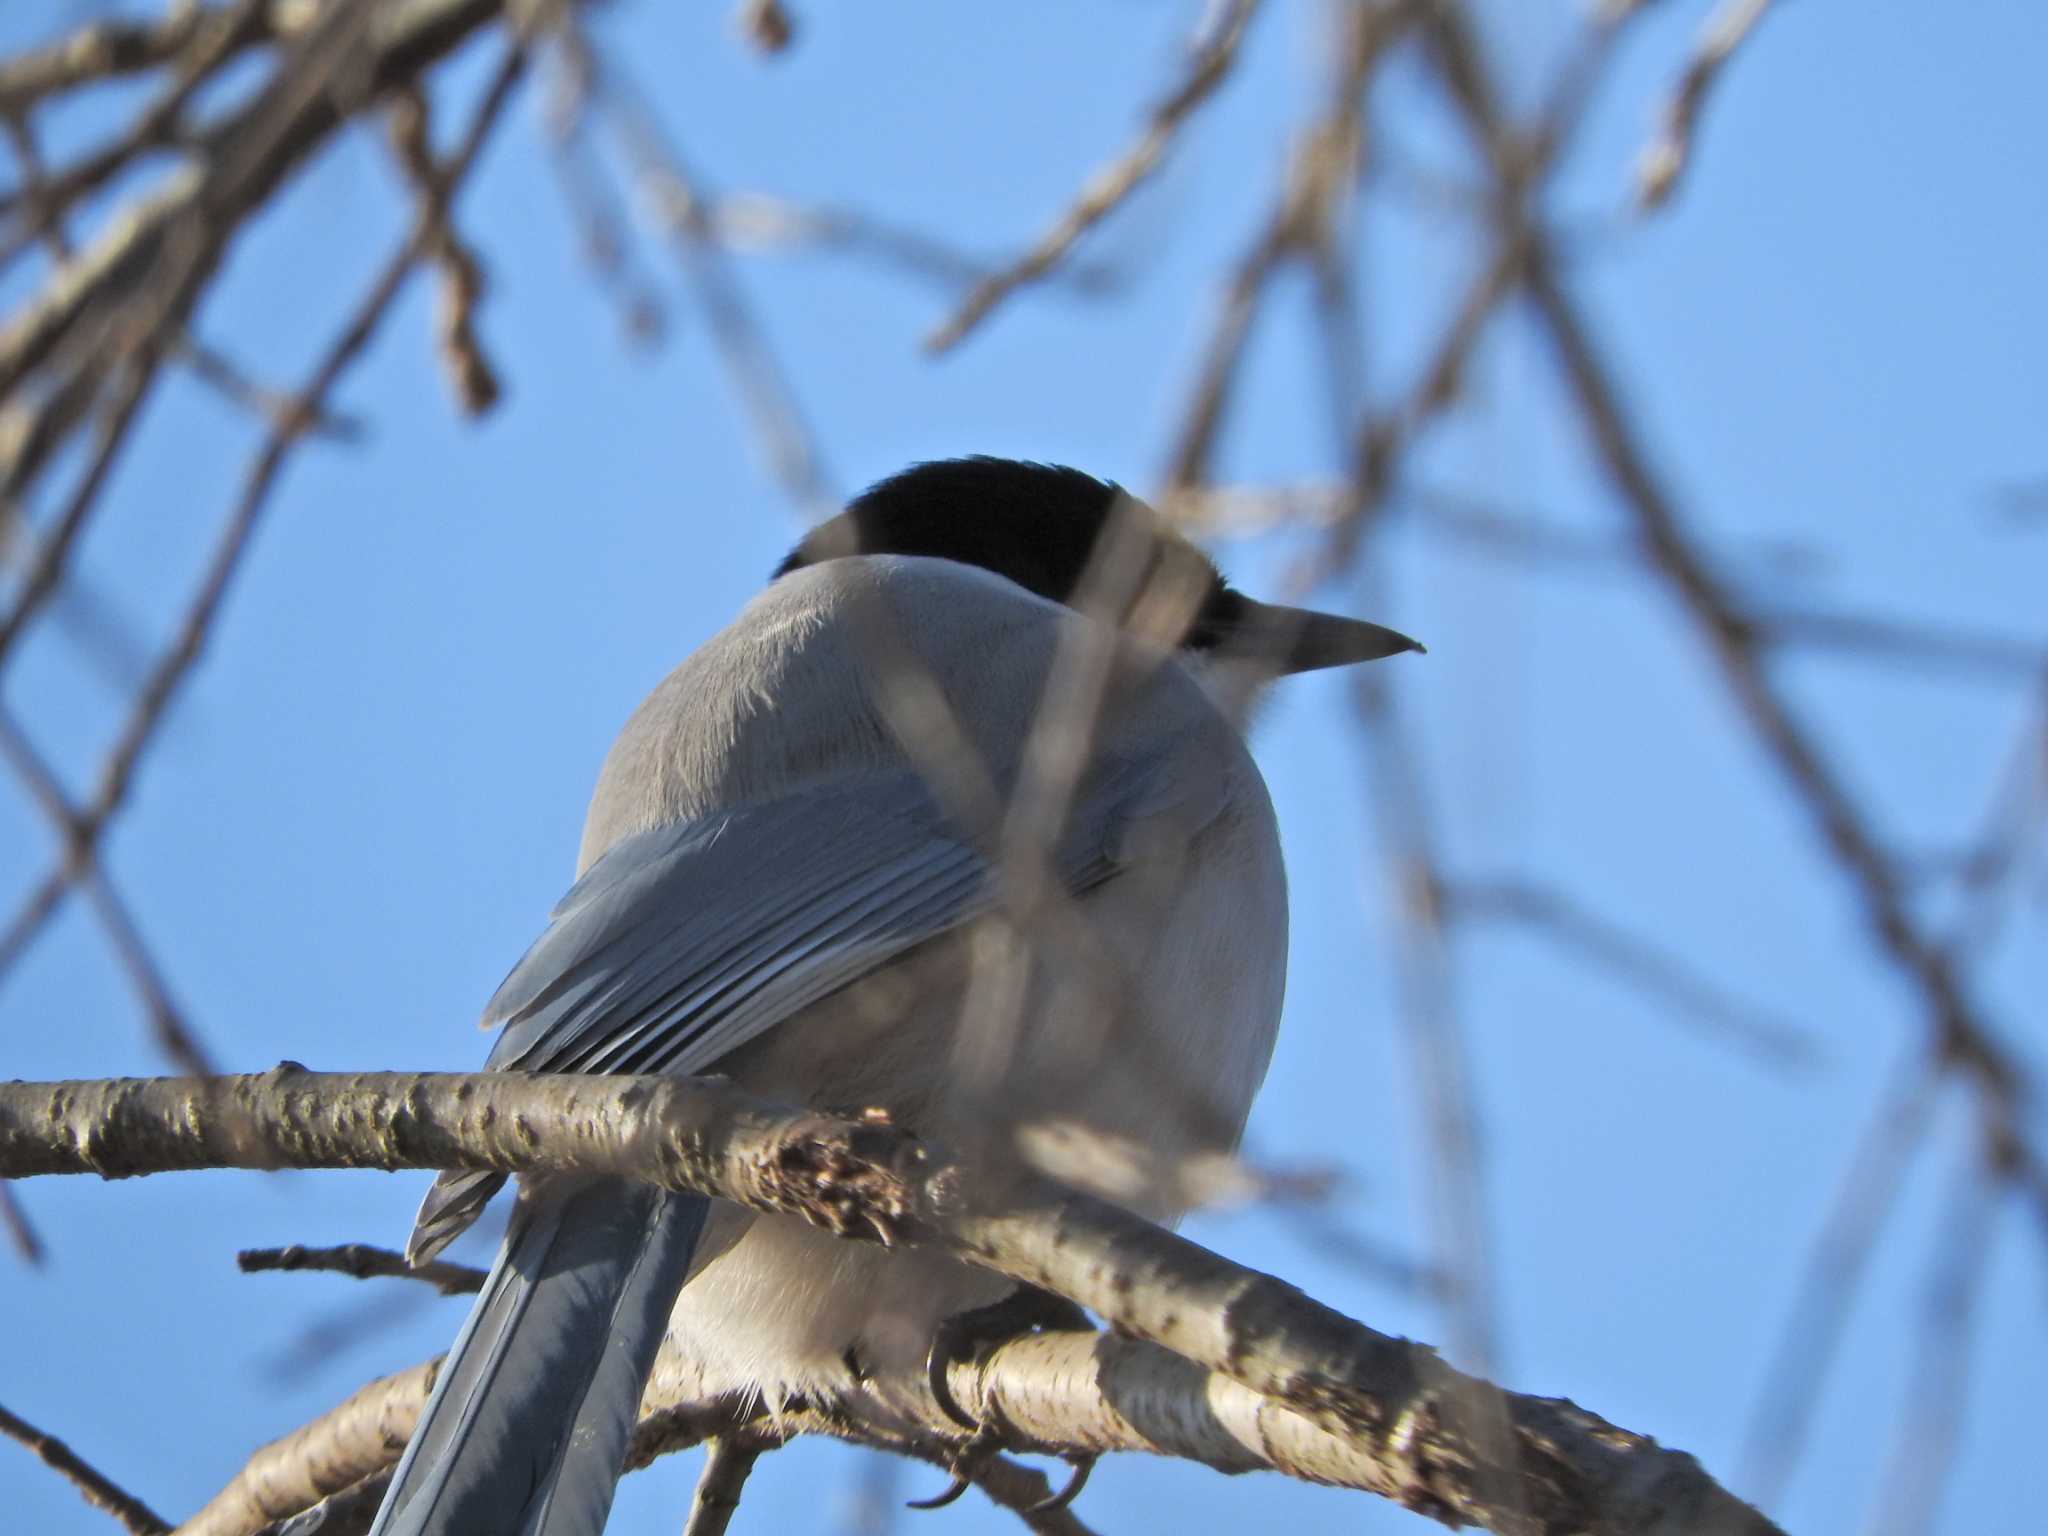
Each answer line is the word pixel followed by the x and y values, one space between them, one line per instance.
pixel 683 943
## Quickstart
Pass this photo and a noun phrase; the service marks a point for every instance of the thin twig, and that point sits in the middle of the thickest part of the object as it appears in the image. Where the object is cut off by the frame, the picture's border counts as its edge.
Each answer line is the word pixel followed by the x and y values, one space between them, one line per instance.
pixel 1958 1028
pixel 81 859
pixel 218 371
pixel 1962 1037
pixel 1891 640
pixel 593 207
pixel 1937 1393
pixel 681 208
pixel 21 1232
pixel 1112 185
pixel 175 663
pixel 728 1459
pixel 219 35
pixel 1440 1061
pixel 1639 961
pixel 1320 175
pixel 471 378
pixel 1833 1273
pixel 1664 160
pixel 108 50
pixel 98 1490
pixel 1992 866
pixel 362 1261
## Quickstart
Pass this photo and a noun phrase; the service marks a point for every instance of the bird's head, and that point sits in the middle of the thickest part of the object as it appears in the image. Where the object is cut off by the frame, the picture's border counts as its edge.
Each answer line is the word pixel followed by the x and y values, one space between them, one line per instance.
pixel 1088 543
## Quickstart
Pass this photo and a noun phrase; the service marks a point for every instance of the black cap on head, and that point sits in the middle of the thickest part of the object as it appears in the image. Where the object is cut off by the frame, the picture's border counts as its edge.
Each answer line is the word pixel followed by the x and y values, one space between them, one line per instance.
pixel 1038 525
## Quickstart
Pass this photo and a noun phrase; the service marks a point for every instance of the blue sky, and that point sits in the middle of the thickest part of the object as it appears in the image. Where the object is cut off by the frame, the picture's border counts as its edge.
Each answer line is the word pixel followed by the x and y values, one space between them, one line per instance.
pixel 371 792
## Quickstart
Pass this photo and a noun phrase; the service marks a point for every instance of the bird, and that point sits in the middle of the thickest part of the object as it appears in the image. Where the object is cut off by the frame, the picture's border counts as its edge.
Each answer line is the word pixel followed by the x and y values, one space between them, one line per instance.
pixel 956 820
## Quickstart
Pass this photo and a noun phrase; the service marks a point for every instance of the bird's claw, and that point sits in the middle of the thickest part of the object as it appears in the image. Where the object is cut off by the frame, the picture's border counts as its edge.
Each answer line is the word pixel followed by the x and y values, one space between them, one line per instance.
pixel 964 1336
pixel 1076 1481
pixel 953 1490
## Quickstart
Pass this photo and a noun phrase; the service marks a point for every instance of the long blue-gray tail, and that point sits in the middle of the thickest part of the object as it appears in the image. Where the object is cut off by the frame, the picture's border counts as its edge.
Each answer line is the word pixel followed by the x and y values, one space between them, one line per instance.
pixel 527 1425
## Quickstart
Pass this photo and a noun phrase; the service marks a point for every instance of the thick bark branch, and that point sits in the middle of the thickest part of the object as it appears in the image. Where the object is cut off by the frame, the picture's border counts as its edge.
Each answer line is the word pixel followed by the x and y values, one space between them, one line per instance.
pixel 359 1438
pixel 1402 1417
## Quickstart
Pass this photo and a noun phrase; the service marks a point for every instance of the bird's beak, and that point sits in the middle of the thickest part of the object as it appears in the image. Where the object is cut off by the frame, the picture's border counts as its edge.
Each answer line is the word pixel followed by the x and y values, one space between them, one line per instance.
pixel 1302 640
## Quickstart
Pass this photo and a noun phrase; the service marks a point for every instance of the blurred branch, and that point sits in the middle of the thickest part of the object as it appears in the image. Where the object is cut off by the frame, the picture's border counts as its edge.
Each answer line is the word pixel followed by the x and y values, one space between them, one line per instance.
pixel 21 1232
pixel 756 221
pixel 1665 158
pixel 1320 175
pixel 344 1456
pixel 91 340
pixel 97 1489
pixel 1826 1295
pixel 110 49
pixel 1890 640
pixel 361 1261
pixel 1439 1060
pixel 1111 186
pixel 85 824
pixel 681 210
pixel 1992 868
pixel 728 1461
pixel 1392 1410
pixel 471 378
pixel 1637 960
pixel 1938 1396
pixel 1961 1035
pixel 215 37
pixel 81 862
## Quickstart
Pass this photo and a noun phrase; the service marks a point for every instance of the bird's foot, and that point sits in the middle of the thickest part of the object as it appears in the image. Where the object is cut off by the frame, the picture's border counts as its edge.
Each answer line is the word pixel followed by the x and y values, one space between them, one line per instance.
pixel 971 1335
pixel 982 1445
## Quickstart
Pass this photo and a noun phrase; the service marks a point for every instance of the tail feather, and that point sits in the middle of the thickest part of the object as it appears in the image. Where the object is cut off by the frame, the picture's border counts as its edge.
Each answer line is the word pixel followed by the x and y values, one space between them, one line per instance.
pixel 527 1425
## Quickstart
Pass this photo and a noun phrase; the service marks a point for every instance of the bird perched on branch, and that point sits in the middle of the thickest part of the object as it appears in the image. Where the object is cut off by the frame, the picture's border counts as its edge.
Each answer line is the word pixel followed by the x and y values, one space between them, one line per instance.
pixel 956 820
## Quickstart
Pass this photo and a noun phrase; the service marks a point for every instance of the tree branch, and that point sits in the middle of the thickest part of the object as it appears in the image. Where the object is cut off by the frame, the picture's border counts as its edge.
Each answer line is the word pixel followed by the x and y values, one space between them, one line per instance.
pixel 360 1261
pixel 1395 1407
pixel 96 1488
pixel 1111 186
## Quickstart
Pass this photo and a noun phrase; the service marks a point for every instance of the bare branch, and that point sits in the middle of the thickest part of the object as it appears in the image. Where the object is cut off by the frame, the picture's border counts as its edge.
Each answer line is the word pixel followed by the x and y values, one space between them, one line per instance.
pixel 1395 1404
pixel 81 859
pixel 98 1490
pixel 1962 1038
pixel 21 1232
pixel 471 378
pixel 1960 1033
pixel 1665 158
pixel 1061 1394
pixel 728 1459
pixel 1889 640
pixel 1639 961
pixel 1110 187
pixel 1439 1061
pixel 1319 177
pixel 1833 1273
pixel 357 1441
pixel 681 209
pixel 362 1261
pixel 1938 1396
pixel 109 49
pixel 287 429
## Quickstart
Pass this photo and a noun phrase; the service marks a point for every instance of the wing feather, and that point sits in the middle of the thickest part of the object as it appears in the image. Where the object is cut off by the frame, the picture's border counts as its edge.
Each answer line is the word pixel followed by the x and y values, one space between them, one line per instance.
pixel 683 943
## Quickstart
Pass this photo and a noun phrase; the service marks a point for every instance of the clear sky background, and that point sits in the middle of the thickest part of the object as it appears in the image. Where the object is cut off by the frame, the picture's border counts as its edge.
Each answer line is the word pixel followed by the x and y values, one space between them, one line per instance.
pixel 371 793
